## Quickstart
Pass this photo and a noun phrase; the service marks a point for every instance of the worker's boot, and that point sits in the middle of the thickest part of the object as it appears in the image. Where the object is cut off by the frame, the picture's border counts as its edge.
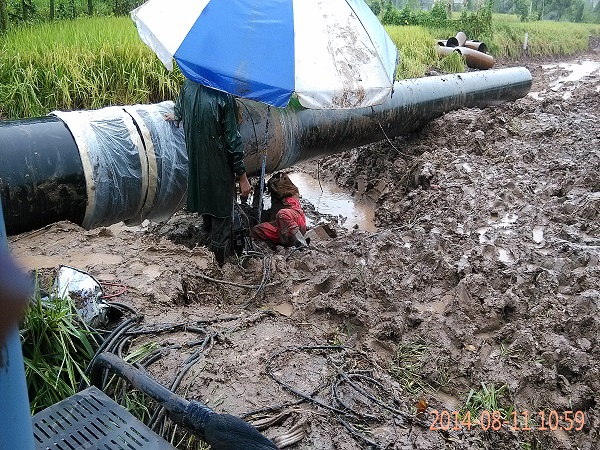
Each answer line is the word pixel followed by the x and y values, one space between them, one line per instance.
pixel 298 240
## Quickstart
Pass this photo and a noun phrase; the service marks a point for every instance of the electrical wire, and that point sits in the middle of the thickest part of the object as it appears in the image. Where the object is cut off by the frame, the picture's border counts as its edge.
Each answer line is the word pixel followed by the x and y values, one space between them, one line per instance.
pixel 342 411
pixel 387 138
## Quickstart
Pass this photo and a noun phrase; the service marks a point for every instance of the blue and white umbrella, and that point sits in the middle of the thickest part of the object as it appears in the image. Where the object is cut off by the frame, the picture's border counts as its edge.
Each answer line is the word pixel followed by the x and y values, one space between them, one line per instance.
pixel 330 53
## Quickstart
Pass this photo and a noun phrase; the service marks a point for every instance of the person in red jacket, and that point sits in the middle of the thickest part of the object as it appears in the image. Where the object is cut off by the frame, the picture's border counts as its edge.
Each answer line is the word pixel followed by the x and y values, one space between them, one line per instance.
pixel 287 224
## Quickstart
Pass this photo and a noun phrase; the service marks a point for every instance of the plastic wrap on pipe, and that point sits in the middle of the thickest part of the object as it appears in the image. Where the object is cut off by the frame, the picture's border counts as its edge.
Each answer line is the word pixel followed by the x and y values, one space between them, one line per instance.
pixel 123 160
pixel 167 161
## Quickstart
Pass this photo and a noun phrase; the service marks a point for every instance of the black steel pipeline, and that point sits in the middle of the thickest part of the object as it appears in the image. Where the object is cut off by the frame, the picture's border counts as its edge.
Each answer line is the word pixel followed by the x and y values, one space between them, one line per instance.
pixel 41 176
pixel 127 164
pixel 298 135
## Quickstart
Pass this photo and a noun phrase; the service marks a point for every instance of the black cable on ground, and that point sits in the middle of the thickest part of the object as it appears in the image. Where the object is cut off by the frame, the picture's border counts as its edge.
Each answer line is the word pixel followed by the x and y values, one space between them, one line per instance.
pixel 123 306
pixel 159 413
pixel 107 345
pixel 345 414
pixel 293 390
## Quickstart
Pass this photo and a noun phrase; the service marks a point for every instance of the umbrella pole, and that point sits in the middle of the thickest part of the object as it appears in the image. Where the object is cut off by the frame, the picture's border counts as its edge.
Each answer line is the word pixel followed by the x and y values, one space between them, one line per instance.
pixel 263 168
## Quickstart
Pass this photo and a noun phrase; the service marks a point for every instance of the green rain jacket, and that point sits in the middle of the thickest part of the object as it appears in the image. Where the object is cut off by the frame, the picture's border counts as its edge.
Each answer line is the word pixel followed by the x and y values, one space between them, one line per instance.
pixel 214 147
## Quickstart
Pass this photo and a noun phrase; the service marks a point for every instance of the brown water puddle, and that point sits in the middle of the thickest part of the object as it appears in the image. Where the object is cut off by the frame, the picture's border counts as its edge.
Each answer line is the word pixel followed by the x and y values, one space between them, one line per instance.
pixel 578 69
pixel 333 200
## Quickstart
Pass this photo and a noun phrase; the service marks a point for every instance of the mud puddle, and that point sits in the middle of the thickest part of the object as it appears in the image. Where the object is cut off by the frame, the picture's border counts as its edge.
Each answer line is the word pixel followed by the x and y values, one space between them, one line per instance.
pixel 330 199
pixel 577 70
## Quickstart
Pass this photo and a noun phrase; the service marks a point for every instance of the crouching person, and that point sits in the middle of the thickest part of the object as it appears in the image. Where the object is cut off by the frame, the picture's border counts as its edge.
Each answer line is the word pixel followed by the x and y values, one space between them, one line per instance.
pixel 287 222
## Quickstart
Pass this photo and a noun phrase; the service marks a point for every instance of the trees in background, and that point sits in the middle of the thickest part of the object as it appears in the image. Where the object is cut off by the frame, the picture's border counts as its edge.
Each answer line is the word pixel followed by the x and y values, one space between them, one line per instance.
pixel 404 12
pixel 15 12
pixel 474 23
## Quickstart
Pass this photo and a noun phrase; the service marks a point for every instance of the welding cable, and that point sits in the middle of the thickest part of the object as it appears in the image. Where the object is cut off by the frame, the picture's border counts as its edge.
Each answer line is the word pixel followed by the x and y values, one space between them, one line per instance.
pixel 346 377
pixel 121 345
pixel 108 344
pixel 344 411
pixel 264 281
pixel 231 283
pixel 388 139
pixel 336 396
pixel 270 409
pixel 309 398
pixel 170 327
pixel 123 307
pixel 159 412
pixel 372 444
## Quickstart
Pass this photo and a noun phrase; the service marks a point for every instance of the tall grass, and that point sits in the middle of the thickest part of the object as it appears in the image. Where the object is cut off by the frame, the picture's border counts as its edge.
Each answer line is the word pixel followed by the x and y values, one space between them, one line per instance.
pixel 83 64
pixel 545 38
pixel 95 62
pixel 417 53
pixel 57 348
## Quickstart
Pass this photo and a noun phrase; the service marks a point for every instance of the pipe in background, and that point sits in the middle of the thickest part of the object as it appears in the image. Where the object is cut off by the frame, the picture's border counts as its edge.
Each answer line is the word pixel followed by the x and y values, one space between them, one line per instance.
pixel 473 58
pixel 476 45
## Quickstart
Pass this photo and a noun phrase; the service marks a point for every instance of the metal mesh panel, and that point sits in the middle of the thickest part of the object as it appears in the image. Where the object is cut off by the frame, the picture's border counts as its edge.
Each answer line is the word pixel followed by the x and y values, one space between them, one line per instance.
pixel 91 420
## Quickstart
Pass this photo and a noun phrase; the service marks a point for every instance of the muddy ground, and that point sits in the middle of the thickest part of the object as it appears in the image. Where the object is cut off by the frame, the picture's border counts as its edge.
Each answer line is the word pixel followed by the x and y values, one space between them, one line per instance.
pixel 484 273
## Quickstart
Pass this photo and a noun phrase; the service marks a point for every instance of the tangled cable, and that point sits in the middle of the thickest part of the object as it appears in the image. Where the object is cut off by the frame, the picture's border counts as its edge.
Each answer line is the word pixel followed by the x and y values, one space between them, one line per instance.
pixel 366 389
pixel 119 340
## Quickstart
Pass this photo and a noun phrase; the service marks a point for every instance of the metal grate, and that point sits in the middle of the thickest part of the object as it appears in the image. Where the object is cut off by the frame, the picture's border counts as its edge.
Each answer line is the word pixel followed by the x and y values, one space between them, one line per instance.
pixel 90 419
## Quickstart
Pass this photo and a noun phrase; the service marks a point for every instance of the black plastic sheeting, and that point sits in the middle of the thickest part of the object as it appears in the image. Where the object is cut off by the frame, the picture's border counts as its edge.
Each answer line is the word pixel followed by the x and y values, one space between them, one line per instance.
pixel 41 176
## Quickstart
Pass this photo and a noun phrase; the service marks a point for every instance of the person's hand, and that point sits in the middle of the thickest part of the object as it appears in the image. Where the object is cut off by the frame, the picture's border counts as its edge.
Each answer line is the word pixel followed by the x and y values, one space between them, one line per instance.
pixel 14 294
pixel 244 185
pixel 171 118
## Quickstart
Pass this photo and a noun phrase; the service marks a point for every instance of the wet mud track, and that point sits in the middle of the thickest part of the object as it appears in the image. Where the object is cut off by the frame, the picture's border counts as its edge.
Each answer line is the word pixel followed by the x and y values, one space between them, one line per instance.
pixel 483 276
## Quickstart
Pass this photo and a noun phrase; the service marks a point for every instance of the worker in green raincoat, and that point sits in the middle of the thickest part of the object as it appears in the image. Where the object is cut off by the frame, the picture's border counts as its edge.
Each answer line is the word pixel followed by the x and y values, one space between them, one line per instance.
pixel 215 158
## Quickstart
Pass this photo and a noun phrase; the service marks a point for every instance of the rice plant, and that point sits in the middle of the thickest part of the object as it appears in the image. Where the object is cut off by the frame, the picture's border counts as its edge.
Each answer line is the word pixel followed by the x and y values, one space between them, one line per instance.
pixel 57 347
pixel 544 38
pixel 93 62
pixel 416 52
pixel 83 64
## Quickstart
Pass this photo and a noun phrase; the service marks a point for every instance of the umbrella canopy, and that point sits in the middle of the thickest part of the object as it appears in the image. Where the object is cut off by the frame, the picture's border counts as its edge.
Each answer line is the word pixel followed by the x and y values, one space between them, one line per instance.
pixel 331 53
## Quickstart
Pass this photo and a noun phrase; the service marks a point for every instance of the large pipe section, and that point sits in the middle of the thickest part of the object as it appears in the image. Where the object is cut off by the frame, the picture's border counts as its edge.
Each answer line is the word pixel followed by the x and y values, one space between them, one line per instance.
pixel 96 168
pixel 474 58
pixel 298 135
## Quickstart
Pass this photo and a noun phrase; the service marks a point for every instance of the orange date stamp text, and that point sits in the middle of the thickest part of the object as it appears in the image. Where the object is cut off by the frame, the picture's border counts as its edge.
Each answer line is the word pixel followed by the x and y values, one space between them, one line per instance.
pixel 517 420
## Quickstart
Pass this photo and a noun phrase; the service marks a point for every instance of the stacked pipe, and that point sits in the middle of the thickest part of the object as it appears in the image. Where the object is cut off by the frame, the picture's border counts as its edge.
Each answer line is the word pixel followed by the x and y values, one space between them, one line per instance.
pixel 474 52
pixel 97 168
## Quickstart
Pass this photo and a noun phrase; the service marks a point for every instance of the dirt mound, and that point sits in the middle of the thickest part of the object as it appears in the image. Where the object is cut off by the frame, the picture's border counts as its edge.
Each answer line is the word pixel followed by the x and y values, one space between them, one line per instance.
pixel 480 290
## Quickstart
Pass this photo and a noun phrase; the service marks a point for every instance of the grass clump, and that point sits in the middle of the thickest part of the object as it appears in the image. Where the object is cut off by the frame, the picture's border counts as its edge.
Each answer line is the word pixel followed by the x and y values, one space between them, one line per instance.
pixel 57 347
pixel 407 366
pixel 488 398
